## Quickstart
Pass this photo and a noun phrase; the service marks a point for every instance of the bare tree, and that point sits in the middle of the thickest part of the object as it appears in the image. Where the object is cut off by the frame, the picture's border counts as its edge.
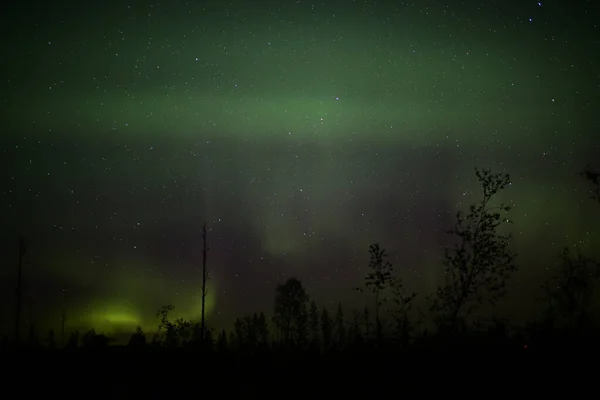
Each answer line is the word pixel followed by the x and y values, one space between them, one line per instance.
pixel 205 278
pixel 377 280
pixel 19 290
pixel 479 264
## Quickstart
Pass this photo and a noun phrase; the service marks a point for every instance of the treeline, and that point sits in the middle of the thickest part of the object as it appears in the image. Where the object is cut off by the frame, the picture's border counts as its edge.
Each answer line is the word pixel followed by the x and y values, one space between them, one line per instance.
pixel 477 268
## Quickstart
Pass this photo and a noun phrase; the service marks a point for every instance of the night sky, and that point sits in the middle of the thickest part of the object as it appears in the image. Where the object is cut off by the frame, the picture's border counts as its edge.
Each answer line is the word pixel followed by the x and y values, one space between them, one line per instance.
pixel 300 131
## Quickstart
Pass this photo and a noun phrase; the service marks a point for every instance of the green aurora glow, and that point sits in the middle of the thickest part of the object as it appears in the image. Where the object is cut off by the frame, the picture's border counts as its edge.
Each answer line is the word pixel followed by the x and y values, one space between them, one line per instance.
pixel 300 131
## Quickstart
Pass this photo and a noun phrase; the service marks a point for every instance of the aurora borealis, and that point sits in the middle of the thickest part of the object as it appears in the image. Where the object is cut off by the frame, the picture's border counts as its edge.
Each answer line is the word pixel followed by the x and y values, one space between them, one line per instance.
pixel 300 131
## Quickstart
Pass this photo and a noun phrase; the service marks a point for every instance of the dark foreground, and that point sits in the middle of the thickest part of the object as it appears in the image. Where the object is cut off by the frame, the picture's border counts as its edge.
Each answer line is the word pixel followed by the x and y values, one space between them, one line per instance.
pixel 117 372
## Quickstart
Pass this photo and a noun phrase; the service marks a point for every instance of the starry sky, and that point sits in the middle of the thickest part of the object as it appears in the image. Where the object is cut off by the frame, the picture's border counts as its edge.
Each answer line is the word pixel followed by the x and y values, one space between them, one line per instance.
pixel 299 131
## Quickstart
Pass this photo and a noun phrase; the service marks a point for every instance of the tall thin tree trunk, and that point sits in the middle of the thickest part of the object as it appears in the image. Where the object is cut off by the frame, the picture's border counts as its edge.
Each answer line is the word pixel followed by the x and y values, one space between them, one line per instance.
pixel 204 280
pixel 62 328
pixel 377 324
pixel 367 324
pixel 19 289
pixel 377 307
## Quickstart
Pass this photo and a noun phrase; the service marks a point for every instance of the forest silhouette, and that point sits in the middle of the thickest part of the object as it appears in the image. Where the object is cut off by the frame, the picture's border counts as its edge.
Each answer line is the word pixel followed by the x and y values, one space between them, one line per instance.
pixel 460 317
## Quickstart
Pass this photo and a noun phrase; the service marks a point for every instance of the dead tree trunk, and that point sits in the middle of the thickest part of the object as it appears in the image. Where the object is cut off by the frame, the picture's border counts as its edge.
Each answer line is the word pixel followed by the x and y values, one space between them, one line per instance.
pixel 19 291
pixel 62 328
pixel 205 278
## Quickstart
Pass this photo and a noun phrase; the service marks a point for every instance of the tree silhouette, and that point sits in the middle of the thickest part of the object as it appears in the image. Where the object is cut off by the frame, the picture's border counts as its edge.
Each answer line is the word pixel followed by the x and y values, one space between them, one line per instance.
pixel 208 343
pixel 403 303
pixel 251 334
pixel 72 341
pixel 356 331
pixel 340 327
pixel 569 291
pixel 87 338
pixel 51 340
pixel 232 340
pixel 262 330
pixel 245 331
pixel 94 341
pixel 313 322
pixel 239 335
pixel 138 338
pixel 377 280
pixel 163 314
pixel 222 342
pixel 185 332
pixel 197 334
pixel 594 178
pixel 177 332
pixel 302 326
pixel 478 266
pixel 366 319
pixel 290 302
pixel 251 324
pixel 63 321
pixel 33 339
pixel 326 329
